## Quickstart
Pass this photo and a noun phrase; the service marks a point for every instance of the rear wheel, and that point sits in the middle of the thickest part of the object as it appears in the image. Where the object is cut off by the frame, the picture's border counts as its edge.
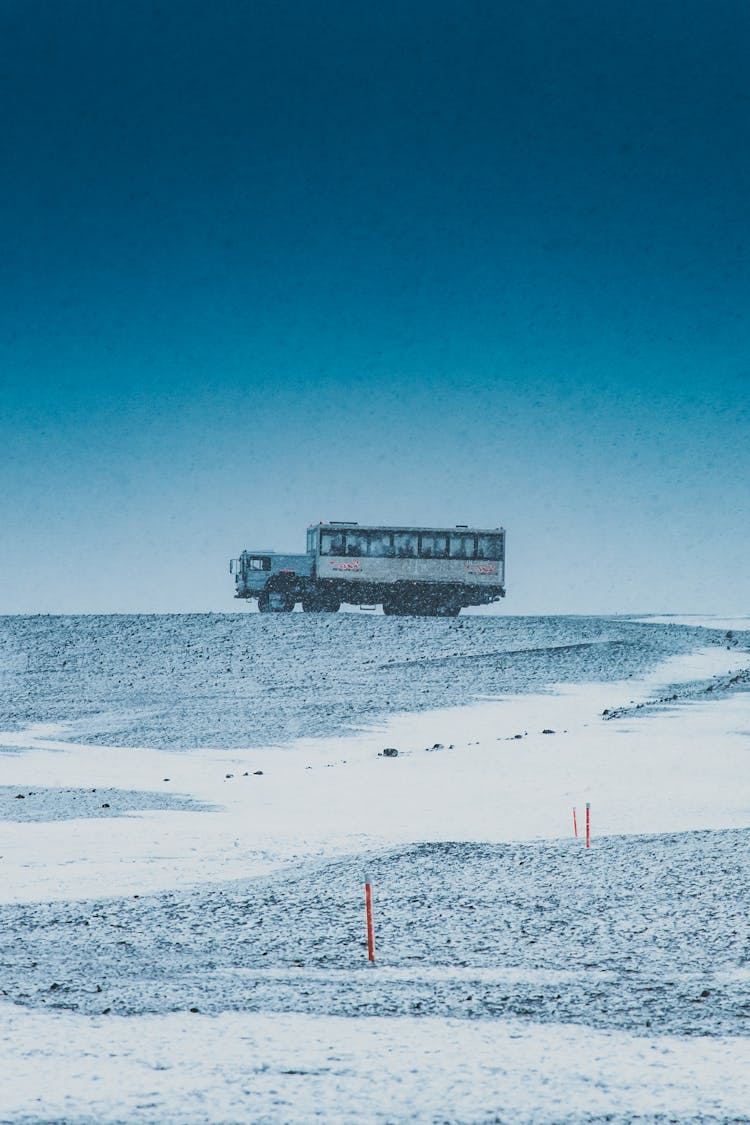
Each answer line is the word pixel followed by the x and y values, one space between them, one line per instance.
pixel 449 610
pixel 320 603
pixel 419 606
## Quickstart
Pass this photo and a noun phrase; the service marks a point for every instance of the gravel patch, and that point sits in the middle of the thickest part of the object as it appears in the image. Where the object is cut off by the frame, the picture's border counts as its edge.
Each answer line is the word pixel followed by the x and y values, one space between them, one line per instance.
pixel 47 804
pixel 718 687
pixel 237 680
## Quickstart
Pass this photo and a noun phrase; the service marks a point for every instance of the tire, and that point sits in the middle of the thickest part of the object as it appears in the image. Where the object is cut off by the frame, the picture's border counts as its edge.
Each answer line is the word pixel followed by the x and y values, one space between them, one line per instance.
pixel 420 607
pixel 406 607
pixel 447 610
pixel 320 603
pixel 282 603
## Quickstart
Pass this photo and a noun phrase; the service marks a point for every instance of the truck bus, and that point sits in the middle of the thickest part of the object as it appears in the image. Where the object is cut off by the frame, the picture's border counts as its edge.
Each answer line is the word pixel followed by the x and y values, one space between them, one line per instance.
pixel 410 571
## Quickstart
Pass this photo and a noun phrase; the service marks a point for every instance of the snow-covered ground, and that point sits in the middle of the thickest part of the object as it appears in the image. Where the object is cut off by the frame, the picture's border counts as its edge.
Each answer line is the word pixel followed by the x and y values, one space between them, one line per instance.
pixel 701 620
pixel 519 977
pixel 299 1069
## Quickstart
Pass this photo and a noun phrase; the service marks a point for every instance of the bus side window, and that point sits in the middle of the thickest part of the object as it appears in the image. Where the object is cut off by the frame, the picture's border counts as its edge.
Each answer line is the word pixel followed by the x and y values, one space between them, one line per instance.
pixel 381 545
pixel 462 546
pixel 433 546
pixel 405 544
pixel 331 543
pixel 357 544
pixel 490 547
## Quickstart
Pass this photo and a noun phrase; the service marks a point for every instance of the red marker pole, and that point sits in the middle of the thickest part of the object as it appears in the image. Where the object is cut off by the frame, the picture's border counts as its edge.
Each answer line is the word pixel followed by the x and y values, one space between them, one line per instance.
pixel 575 823
pixel 370 928
pixel 588 825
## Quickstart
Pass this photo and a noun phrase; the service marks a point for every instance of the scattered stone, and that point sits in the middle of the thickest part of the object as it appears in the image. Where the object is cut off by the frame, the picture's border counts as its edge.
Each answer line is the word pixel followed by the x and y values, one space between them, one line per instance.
pixel 390 752
pixel 518 736
pixel 195 1009
pixel 258 773
pixel 228 775
pixel 438 746
pixel 548 730
pixel 167 779
pixel 20 796
pixel 105 805
pixel 246 773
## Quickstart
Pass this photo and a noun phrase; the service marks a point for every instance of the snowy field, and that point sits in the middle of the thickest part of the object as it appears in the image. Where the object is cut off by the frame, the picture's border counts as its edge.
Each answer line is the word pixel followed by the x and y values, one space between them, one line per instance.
pixel 190 807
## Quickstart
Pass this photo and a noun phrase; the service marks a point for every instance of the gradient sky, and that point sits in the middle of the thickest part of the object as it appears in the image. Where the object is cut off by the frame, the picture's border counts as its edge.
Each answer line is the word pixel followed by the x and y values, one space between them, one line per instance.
pixel 267 263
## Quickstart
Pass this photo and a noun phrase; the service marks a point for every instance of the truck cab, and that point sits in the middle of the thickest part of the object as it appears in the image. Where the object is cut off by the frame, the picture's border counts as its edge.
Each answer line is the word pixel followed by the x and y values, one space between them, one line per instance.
pixel 274 579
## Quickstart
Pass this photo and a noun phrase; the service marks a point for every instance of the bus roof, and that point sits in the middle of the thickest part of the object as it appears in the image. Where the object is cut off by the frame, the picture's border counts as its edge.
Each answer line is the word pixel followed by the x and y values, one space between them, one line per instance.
pixel 459 527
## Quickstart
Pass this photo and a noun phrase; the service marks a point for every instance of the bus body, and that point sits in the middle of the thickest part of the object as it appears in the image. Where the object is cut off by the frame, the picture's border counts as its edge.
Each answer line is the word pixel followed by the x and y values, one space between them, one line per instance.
pixel 432 571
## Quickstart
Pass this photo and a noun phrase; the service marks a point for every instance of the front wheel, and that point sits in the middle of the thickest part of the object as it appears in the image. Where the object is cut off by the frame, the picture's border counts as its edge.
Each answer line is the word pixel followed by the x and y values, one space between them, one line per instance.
pixel 275 603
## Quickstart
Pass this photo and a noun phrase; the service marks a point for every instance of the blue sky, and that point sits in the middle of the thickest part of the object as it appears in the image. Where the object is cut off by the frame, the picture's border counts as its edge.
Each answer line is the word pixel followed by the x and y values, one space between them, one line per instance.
pixel 270 263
